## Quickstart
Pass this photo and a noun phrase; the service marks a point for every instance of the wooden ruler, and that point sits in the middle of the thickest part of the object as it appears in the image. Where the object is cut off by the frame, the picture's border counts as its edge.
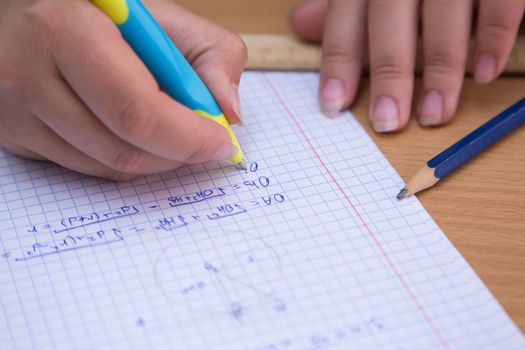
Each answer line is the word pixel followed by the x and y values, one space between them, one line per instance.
pixel 284 52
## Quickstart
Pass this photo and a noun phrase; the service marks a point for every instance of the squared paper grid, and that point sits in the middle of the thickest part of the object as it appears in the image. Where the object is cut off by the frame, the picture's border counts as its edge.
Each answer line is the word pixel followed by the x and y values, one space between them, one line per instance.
pixel 339 264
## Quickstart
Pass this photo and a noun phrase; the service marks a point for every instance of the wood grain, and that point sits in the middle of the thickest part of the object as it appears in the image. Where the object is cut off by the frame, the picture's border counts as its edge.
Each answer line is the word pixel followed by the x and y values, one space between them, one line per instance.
pixel 480 207
pixel 287 52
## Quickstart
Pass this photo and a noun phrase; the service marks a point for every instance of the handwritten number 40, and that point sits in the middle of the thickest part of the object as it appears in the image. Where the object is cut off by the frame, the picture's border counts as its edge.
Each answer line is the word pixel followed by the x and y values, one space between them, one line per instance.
pixel 262 181
pixel 276 198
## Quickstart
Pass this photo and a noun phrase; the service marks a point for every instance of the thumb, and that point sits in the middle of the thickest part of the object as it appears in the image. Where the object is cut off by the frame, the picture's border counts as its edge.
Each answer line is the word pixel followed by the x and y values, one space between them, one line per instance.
pixel 222 77
pixel 217 55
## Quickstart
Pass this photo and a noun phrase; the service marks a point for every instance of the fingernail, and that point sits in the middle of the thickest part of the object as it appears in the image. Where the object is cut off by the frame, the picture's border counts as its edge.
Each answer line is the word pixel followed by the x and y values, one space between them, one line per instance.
pixel 431 108
pixel 332 97
pixel 236 101
pixel 226 151
pixel 385 116
pixel 485 68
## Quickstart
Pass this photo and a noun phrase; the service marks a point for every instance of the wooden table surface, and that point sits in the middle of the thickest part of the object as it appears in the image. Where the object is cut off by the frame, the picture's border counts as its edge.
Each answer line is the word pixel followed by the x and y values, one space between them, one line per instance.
pixel 481 207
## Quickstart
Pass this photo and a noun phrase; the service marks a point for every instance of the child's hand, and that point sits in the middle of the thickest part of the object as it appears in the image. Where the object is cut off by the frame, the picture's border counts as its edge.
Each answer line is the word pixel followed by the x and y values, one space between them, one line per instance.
pixel 73 92
pixel 388 31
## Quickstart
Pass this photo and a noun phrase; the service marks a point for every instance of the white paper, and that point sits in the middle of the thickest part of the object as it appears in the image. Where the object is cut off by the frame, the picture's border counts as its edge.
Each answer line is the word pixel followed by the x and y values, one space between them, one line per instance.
pixel 308 249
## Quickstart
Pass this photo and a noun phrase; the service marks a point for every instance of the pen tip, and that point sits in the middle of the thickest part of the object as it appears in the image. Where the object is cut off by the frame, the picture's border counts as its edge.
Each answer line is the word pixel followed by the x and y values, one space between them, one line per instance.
pixel 242 165
pixel 402 194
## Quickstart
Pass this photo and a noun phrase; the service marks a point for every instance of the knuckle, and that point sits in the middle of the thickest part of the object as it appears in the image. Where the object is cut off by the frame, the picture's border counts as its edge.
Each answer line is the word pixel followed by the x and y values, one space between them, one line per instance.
pixel 497 30
pixel 115 175
pixel 232 43
pixel 442 2
pixel 337 53
pixel 127 160
pixel 337 3
pixel 381 3
pixel 237 45
pixel 136 119
pixel 389 70
pixel 42 16
pixel 40 24
pixel 443 63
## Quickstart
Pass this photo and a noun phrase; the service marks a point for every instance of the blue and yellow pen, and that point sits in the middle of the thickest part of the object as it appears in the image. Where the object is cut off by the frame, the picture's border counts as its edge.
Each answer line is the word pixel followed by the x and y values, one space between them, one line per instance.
pixel 165 62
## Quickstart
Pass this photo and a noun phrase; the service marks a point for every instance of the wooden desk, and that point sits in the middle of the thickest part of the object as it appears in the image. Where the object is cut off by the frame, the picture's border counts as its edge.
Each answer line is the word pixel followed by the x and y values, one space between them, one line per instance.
pixel 481 207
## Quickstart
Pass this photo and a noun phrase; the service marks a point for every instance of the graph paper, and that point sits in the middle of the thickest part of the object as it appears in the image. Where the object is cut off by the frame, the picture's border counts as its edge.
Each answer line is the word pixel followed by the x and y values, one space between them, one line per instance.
pixel 307 249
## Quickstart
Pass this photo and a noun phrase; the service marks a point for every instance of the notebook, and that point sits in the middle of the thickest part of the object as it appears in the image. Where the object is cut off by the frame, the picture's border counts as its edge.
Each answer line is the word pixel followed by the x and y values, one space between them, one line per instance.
pixel 306 249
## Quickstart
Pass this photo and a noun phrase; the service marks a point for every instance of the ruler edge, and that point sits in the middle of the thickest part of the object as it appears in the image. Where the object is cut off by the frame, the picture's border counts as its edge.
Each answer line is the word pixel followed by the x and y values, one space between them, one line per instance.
pixel 311 54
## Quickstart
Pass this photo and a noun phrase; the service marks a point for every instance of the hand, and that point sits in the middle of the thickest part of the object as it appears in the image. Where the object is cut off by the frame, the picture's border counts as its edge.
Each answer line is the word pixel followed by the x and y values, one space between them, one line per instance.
pixel 389 30
pixel 73 92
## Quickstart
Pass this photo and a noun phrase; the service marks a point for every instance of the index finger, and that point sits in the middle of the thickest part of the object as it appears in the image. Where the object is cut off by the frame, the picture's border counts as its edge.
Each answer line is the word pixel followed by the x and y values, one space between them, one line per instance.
pixel 392 35
pixel 116 86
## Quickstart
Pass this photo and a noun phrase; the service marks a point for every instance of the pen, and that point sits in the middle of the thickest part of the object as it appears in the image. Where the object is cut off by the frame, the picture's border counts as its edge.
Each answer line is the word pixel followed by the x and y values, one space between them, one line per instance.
pixel 465 149
pixel 166 63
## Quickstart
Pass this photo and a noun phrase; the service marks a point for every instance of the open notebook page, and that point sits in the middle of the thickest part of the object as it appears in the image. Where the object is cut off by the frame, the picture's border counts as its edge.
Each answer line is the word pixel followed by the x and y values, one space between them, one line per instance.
pixel 307 249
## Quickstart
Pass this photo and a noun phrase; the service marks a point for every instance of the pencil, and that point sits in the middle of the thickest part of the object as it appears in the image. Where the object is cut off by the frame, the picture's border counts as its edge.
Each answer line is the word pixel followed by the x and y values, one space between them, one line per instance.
pixel 465 149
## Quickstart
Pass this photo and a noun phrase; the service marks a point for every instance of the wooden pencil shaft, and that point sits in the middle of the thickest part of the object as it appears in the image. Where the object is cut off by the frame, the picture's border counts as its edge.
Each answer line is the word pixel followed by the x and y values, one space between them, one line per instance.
pixel 466 148
pixel 478 140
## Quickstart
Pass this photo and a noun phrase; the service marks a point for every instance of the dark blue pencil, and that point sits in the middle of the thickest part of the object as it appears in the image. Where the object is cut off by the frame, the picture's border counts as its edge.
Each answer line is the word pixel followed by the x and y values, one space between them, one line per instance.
pixel 465 149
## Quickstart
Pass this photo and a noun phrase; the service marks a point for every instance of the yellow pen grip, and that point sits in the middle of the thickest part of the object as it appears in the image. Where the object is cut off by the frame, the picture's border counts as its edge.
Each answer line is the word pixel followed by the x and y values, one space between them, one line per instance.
pixel 117 10
pixel 221 120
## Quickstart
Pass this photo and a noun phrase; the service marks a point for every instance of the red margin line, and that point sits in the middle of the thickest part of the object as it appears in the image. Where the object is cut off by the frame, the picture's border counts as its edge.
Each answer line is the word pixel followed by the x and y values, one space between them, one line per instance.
pixel 411 294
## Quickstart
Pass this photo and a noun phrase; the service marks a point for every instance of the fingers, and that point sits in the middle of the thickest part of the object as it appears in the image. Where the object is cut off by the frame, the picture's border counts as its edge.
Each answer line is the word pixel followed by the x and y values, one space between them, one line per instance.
pixel 308 19
pixel 46 145
pixel 446 30
pixel 218 55
pixel 58 107
pixel 392 35
pixel 21 151
pixel 114 84
pixel 498 25
pixel 220 67
pixel 343 50
pixel 221 71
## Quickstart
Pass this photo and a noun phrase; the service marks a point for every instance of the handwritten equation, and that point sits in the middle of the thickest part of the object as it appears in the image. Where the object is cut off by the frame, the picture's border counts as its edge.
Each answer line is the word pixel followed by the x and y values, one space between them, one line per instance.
pixel 98 228
pixel 72 242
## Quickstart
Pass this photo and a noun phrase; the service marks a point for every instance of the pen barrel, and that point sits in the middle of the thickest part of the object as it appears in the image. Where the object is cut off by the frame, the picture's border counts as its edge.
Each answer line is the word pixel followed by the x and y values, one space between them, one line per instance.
pixel 162 58
pixel 165 62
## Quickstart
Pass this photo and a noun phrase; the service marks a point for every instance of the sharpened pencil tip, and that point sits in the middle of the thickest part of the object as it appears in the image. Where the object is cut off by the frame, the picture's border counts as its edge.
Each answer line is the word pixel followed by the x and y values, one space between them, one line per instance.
pixel 242 165
pixel 402 194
